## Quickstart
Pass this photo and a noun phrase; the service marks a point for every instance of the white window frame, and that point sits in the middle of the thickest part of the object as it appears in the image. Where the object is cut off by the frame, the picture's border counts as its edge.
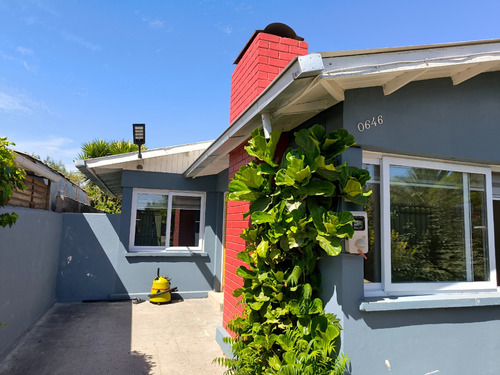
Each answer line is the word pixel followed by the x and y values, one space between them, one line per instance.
pixel 386 286
pixel 167 248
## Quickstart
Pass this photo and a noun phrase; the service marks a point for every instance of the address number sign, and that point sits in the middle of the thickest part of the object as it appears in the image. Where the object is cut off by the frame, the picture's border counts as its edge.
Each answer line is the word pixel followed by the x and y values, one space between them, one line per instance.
pixel 368 124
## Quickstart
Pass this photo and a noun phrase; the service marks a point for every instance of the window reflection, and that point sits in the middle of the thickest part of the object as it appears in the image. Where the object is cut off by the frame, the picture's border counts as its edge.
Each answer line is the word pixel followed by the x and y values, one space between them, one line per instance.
pixel 438 225
pixel 151 220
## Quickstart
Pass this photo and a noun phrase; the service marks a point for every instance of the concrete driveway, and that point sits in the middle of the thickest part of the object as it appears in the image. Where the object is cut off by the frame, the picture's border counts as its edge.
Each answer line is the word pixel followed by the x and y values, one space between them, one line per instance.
pixel 120 338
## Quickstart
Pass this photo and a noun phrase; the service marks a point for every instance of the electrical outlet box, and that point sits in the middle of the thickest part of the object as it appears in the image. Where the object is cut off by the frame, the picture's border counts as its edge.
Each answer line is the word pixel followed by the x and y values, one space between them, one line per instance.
pixel 359 241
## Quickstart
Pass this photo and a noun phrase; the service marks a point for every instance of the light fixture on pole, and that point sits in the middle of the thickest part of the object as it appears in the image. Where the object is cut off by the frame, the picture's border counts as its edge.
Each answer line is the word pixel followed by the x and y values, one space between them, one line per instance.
pixel 139 136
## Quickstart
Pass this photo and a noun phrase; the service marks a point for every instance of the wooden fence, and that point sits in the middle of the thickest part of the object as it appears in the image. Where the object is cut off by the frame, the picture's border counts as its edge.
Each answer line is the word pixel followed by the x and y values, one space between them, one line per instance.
pixel 36 195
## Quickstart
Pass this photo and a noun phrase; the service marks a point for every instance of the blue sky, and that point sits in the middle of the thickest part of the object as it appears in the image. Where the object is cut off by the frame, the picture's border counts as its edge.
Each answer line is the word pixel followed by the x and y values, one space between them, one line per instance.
pixel 75 70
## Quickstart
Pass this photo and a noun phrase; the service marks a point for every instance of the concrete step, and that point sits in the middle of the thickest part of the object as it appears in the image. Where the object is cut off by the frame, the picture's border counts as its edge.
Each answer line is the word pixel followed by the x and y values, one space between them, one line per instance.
pixel 217 298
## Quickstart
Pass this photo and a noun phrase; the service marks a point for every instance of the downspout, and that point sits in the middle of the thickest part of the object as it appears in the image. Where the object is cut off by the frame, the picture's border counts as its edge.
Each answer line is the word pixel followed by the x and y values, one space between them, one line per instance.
pixel 266 124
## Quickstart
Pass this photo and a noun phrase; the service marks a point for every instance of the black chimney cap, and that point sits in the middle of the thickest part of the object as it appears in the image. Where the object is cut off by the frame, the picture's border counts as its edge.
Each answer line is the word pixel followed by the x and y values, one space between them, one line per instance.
pixel 276 28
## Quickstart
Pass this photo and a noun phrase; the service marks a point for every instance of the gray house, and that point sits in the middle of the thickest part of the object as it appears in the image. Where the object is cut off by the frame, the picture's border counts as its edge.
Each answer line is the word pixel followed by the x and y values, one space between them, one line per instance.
pixel 167 222
pixel 425 119
pixel 426 122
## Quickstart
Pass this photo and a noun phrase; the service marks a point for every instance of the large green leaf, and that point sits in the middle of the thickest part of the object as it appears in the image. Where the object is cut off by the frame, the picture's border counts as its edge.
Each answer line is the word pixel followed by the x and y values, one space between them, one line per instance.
pixel 360 199
pixel 245 273
pixel 260 204
pixel 302 174
pixel 316 306
pixel 331 245
pixel 250 234
pixel 250 176
pixel 260 217
pixel 345 217
pixel 283 178
pixel 294 276
pixel 262 249
pixel 266 169
pixel 307 143
pixel 262 149
pixel 318 187
pixel 284 328
pixel 238 191
pixel 353 187
pixel 318 132
pixel 245 257
pixel 337 142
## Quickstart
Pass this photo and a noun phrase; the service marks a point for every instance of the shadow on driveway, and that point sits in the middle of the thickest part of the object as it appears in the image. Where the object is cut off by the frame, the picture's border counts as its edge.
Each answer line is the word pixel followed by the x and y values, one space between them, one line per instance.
pixel 120 338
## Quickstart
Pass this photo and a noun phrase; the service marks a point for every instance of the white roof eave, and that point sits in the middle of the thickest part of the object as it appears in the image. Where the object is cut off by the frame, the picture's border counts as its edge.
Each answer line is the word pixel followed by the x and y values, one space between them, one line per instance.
pixel 37 168
pixel 298 90
pixel 112 160
pixel 297 75
pixel 106 171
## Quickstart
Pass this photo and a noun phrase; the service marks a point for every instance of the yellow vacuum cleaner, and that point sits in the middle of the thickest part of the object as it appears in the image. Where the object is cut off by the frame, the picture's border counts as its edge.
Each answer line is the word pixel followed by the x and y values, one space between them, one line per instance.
pixel 161 291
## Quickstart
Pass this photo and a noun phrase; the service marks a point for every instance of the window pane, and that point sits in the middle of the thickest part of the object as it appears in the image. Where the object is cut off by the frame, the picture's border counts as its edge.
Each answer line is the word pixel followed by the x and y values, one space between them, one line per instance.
pixel 151 220
pixel 372 265
pixel 479 228
pixel 438 225
pixel 185 221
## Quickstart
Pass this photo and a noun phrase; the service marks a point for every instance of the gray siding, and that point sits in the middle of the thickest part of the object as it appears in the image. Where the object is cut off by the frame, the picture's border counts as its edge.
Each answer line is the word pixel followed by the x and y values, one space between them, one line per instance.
pixel 433 119
pixel 88 260
pixel 452 340
pixel 95 263
pixel 29 252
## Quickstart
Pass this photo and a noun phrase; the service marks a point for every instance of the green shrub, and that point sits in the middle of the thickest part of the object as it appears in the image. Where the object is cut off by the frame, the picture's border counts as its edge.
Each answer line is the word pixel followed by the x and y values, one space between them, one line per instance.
pixel 11 177
pixel 284 328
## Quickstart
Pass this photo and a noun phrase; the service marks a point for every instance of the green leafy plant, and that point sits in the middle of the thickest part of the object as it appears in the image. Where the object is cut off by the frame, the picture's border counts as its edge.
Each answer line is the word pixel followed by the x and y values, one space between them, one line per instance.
pixel 99 148
pixel 11 178
pixel 293 209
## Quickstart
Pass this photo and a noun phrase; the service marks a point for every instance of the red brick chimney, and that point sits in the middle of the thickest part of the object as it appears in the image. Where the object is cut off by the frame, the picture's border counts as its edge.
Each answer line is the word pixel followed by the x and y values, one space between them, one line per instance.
pixel 265 55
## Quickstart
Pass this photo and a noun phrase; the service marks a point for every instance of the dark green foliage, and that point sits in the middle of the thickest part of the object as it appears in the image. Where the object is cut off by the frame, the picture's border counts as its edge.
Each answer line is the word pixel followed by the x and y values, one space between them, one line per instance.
pixel 99 148
pixel 11 178
pixel 284 328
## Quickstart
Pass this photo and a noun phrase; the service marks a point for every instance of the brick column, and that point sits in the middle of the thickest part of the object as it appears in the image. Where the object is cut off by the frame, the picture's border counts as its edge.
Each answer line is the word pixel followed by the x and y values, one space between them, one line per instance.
pixel 235 224
pixel 265 58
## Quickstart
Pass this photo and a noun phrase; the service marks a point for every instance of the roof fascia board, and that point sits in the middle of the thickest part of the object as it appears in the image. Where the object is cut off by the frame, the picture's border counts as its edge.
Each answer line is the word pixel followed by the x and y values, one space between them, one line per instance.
pixel 251 117
pixel 91 175
pixel 406 48
pixel 392 61
pixel 38 169
pixel 109 161
pixel 344 65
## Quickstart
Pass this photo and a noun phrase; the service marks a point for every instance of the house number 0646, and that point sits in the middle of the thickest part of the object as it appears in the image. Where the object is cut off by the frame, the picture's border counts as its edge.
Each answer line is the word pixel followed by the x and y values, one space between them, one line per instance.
pixel 367 125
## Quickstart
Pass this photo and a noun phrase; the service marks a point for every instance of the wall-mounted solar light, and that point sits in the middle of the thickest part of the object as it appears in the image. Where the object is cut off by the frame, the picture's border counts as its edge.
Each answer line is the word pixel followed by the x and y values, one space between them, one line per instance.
pixel 139 136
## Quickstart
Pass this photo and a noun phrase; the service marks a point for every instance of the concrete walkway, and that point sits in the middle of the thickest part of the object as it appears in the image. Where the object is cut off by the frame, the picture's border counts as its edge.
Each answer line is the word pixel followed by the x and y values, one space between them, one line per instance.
pixel 120 338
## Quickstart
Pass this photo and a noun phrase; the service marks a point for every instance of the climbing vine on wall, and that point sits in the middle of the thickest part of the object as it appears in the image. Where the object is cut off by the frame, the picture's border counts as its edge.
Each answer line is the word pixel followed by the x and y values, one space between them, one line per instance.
pixel 295 222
